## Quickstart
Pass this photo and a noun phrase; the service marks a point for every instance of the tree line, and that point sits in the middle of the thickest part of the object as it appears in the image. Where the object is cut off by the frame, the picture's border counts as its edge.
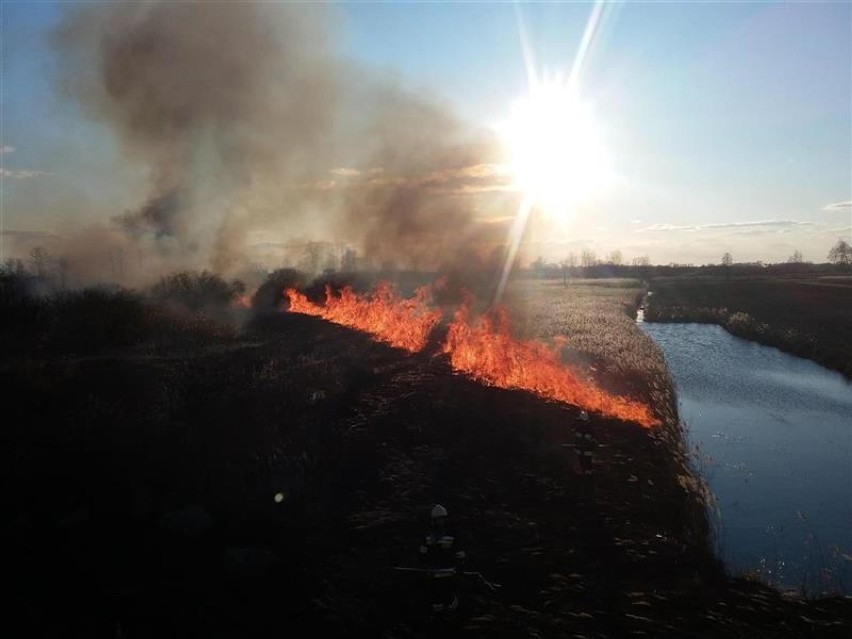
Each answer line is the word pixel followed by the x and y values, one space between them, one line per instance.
pixel 587 264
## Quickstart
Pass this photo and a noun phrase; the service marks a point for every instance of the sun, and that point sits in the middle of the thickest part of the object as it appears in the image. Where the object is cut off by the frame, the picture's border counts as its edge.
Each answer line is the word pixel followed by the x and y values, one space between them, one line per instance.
pixel 556 153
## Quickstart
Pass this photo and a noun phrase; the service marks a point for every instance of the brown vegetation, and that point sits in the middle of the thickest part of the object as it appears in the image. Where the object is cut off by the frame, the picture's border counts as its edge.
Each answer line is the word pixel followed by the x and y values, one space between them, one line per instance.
pixel 271 484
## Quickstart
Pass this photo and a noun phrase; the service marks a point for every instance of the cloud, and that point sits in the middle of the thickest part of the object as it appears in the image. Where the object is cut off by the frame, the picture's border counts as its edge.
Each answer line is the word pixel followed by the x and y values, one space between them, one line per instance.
pixel 775 223
pixel 23 174
pixel 345 172
pixel 838 206
pixel 665 227
pixel 6 149
pixel 349 172
pixel 726 225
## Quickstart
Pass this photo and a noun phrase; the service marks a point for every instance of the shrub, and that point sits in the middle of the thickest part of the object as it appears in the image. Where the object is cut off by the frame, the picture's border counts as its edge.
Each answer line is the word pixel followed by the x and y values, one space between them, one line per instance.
pixel 270 294
pixel 196 291
pixel 94 320
pixel 23 315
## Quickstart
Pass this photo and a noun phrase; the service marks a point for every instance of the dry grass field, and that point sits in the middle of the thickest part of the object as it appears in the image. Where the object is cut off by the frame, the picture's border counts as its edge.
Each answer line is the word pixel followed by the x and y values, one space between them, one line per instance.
pixel 272 481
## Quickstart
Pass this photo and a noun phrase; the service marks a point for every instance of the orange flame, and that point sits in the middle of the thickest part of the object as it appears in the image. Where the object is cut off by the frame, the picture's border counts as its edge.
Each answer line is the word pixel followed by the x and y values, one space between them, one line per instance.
pixel 404 323
pixel 487 352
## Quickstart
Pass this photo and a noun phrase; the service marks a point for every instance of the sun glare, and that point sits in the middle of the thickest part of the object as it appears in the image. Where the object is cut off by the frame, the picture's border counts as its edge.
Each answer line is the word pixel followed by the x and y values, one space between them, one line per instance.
pixel 556 154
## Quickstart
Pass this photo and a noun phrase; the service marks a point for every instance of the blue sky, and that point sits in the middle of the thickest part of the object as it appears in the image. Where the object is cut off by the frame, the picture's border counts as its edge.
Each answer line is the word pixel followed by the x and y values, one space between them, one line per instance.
pixel 729 125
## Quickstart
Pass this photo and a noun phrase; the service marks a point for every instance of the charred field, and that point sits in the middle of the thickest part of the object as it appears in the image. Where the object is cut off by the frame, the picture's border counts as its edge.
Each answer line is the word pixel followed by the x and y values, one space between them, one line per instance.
pixel 271 482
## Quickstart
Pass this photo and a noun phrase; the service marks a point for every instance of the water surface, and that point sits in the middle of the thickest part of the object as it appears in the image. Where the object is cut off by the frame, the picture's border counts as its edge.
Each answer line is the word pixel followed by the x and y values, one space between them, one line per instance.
pixel 774 435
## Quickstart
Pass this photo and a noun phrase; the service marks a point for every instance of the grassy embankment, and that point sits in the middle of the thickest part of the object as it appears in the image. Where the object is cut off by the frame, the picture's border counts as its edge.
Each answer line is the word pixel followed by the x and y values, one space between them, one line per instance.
pixel 271 482
pixel 808 317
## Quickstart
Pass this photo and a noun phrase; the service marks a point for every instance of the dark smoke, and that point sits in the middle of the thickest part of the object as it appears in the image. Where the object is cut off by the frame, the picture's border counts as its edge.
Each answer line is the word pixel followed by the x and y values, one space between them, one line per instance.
pixel 158 215
pixel 241 112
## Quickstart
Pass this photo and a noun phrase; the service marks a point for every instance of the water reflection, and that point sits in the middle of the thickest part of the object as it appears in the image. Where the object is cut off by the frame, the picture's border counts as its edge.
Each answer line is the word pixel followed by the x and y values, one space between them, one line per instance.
pixel 775 437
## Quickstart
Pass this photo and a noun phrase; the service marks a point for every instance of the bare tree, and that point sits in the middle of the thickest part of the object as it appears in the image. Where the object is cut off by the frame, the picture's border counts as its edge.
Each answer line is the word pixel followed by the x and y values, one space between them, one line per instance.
pixel 13 266
pixel 616 258
pixel 642 260
pixel 563 270
pixel 841 253
pixel 588 258
pixel 727 260
pixel 537 266
pixel 39 258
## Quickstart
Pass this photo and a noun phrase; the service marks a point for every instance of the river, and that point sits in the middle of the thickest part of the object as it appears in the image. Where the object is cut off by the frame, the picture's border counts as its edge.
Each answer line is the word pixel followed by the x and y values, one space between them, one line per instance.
pixel 774 439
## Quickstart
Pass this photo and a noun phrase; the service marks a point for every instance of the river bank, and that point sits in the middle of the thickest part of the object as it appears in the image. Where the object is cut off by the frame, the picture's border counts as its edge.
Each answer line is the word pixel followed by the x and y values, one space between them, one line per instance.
pixel 810 318
pixel 773 434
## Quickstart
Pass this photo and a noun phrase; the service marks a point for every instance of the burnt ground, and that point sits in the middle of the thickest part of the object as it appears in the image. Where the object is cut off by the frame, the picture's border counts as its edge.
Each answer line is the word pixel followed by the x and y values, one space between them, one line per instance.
pixel 138 497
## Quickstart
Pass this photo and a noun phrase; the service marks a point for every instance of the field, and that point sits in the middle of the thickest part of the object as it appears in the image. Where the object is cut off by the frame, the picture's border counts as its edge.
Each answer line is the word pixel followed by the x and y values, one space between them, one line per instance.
pixel 597 318
pixel 271 482
pixel 809 317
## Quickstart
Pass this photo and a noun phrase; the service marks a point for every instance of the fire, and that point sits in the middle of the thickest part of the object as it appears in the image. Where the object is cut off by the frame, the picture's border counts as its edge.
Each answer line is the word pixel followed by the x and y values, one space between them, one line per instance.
pixel 486 351
pixel 404 323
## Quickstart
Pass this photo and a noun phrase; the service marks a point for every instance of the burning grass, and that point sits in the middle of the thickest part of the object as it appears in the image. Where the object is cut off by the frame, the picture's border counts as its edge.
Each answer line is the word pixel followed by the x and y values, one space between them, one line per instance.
pixel 484 350
pixel 404 323
pixel 603 338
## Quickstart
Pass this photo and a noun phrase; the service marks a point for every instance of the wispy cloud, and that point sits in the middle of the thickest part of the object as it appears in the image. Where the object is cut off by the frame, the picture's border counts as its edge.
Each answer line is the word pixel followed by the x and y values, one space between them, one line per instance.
pixel 21 174
pixel 665 227
pixel 17 174
pixel 838 206
pixel 777 224
pixel 774 223
pixel 345 172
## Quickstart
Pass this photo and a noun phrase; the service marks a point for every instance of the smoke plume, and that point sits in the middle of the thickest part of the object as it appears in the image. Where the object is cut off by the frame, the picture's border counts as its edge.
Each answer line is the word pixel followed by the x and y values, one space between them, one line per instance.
pixel 246 121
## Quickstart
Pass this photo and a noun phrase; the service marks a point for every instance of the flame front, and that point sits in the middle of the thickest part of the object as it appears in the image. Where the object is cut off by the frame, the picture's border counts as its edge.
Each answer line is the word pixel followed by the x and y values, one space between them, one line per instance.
pixel 486 351
pixel 404 323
